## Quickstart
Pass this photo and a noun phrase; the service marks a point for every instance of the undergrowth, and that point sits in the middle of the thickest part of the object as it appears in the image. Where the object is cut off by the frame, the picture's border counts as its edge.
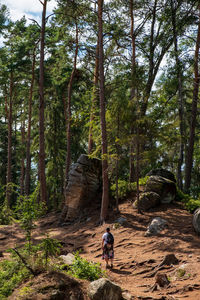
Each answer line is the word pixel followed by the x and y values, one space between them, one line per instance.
pixel 126 187
pixel 12 273
pixel 190 203
pixel 83 269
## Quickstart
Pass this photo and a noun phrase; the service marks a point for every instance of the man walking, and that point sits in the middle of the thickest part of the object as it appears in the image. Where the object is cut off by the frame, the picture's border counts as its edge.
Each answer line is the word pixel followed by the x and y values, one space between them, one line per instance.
pixel 107 247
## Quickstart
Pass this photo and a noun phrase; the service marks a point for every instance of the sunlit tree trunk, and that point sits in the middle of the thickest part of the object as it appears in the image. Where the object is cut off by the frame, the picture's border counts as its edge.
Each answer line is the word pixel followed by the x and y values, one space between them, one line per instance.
pixel 180 96
pixel 22 173
pixel 42 176
pixel 69 94
pixel 28 138
pixel 105 194
pixel 133 88
pixel 190 150
pixel 94 101
pixel 10 120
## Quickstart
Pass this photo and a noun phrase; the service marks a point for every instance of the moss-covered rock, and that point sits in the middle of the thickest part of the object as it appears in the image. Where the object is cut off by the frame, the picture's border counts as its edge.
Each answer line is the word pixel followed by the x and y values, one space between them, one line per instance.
pixel 164 187
pixel 148 200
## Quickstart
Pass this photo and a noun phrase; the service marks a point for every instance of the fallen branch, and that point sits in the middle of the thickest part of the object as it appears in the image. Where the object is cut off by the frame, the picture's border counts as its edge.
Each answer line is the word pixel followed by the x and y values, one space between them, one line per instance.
pixel 24 262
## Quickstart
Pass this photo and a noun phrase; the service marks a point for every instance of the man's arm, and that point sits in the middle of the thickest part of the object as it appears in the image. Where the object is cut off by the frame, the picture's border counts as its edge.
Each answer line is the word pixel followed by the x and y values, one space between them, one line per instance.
pixel 102 244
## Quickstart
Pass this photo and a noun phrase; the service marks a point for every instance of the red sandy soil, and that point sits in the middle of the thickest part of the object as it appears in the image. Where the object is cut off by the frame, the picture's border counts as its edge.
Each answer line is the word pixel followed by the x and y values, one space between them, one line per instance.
pixel 136 257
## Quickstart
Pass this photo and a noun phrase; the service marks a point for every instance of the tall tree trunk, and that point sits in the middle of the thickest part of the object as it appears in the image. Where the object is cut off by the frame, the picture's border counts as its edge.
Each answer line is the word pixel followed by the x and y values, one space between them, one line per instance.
pixel 42 176
pixel 28 139
pixel 9 162
pixel 180 97
pixel 105 195
pixel 66 126
pixel 133 93
pixel 94 100
pixel 151 75
pixel 68 157
pixel 22 173
pixel 190 150
pixel 117 161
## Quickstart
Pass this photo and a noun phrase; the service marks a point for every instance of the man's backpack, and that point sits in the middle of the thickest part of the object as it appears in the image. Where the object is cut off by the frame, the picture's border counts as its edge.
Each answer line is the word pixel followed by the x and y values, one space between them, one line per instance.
pixel 110 238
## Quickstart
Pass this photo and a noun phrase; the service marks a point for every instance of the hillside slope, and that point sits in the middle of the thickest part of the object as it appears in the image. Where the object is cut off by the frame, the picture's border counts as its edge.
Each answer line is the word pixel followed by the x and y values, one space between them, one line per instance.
pixel 136 257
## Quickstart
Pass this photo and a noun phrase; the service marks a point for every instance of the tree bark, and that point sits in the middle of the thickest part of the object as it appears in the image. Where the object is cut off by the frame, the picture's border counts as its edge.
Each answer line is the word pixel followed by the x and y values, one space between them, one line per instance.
pixel 133 91
pixel 180 97
pixel 42 176
pixel 28 139
pixel 190 150
pixel 68 156
pixel 105 194
pixel 9 162
pixel 94 101
pixel 22 175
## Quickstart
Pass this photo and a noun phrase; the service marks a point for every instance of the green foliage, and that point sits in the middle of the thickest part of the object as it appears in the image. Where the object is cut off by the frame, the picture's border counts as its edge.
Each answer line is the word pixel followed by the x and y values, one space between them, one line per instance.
pixel 5 215
pixel 125 187
pixel 28 209
pixel 181 273
pixel 83 269
pixel 49 247
pixel 12 273
pixel 190 204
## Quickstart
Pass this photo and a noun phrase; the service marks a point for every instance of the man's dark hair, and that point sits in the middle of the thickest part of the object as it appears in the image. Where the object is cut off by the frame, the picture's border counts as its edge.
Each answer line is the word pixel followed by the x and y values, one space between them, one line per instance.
pixel 108 229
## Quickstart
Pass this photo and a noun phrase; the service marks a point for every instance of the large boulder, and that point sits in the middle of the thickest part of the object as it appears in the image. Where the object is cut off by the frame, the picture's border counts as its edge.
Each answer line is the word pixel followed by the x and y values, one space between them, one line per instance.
pixel 163 173
pixel 164 187
pixel 103 289
pixel 83 185
pixel 148 200
pixel 196 220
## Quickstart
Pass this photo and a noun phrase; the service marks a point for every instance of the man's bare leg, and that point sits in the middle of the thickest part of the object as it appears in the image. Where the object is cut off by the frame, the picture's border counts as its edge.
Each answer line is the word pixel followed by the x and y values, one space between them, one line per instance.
pixel 106 260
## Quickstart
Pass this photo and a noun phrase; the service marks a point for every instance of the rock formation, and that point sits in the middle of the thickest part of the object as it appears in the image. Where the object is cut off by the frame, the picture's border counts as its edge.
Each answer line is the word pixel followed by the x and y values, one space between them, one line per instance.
pixel 160 188
pixel 103 289
pixel 196 220
pixel 83 185
pixel 164 187
pixel 163 173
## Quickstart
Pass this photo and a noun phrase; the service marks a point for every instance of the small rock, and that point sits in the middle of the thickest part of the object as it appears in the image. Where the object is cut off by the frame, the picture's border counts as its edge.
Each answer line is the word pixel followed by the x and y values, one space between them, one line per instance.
pixel 121 220
pixel 156 225
pixel 190 255
pixel 68 259
pixel 127 296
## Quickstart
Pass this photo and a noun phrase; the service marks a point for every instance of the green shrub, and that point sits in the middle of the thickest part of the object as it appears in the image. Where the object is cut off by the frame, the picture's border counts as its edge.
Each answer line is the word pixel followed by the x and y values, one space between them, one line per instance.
pixel 6 215
pixel 181 273
pixel 12 273
pixel 83 269
pixel 189 203
pixel 192 205
pixel 49 247
pixel 125 187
